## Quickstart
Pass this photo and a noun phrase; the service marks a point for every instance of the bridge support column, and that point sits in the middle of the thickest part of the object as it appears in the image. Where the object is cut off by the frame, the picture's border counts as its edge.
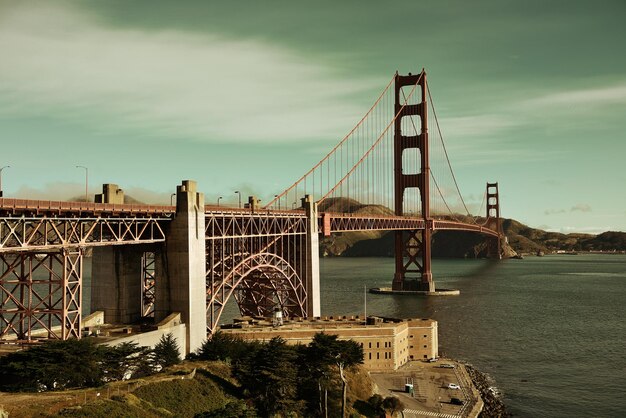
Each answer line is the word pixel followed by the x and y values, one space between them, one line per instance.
pixel 116 285
pixel 183 288
pixel 413 249
pixel 494 245
pixel 41 294
pixel 312 258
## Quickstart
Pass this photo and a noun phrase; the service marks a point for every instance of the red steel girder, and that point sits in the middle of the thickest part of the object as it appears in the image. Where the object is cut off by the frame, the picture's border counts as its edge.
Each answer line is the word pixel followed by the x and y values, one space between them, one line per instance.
pixel 48 233
pixel 40 295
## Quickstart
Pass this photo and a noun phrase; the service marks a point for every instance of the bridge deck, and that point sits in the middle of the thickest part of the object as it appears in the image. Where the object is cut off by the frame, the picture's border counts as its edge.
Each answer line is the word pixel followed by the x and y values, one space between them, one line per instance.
pixel 46 225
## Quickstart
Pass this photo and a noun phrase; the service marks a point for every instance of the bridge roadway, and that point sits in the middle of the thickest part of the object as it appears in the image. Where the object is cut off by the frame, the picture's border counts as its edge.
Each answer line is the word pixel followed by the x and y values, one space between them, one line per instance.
pixel 40 225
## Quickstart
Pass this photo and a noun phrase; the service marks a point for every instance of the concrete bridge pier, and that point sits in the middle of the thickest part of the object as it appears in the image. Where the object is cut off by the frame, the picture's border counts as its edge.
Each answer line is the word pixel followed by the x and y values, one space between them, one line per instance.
pixel 312 258
pixel 181 272
pixel 116 282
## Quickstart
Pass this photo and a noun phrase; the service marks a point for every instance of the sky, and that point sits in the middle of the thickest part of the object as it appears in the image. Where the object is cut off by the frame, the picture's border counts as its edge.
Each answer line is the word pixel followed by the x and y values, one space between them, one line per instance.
pixel 248 95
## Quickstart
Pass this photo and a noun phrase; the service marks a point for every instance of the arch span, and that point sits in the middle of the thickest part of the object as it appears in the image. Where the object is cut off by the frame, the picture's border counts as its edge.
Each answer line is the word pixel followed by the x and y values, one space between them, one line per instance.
pixel 260 282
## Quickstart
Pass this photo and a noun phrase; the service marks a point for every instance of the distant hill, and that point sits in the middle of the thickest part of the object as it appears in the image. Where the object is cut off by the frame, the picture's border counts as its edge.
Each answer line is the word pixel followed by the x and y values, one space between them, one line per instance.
pixel 522 239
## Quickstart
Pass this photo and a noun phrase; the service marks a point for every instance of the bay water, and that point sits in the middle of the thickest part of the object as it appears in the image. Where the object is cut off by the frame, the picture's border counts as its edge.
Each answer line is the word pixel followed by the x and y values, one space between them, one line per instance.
pixel 550 331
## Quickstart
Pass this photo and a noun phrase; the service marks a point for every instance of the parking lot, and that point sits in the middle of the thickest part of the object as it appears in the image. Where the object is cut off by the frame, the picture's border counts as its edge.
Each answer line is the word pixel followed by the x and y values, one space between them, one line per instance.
pixel 433 388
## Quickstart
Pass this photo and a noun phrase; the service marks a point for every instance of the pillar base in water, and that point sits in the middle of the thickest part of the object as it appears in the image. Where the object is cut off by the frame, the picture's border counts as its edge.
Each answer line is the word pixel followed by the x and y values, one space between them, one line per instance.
pixel 438 292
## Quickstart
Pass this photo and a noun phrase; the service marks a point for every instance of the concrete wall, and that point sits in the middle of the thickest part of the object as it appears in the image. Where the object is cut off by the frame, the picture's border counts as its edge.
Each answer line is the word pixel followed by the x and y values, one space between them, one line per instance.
pixel 116 282
pixel 111 193
pixel 423 339
pixel 182 273
pixel 151 338
pixel 313 259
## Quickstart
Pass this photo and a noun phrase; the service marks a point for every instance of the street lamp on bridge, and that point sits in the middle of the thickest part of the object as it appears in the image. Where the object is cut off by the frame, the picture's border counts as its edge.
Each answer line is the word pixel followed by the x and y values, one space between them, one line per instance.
pixel 86 181
pixel 239 194
pixel 2 168
pixel 276 196
pixel 218 200
pixel 172 199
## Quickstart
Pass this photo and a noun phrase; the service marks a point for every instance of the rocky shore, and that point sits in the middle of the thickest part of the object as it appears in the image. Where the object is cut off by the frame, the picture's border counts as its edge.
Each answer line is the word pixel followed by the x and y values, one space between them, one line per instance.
pixel 494 406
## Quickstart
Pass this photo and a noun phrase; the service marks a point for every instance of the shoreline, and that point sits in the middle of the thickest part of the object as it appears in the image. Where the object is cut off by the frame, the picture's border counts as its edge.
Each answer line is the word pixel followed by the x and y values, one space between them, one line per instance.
pixel 493 405
pixel 433 397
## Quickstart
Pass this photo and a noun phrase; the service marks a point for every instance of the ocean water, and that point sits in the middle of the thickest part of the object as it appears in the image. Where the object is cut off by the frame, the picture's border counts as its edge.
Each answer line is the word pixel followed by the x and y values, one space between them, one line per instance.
pixel 550 331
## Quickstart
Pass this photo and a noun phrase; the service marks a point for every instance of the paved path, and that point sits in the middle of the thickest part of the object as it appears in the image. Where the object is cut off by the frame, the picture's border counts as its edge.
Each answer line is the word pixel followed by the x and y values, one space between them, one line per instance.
pixel 414 412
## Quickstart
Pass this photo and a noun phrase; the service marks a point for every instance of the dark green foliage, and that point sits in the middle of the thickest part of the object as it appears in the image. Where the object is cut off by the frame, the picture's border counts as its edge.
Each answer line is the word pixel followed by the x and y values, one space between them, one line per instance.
pixel 224 347
pixel 53 365
pixel 376 404
pixel 233 409
pixel 392 405
pixel 325 352
pixel 269 375
pixel 121 361
pixel 166 352
pixel 59 365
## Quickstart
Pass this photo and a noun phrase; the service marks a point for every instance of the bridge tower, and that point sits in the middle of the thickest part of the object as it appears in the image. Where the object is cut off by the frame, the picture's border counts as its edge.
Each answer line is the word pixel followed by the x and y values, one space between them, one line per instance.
pixel 494 245
pixel 412 248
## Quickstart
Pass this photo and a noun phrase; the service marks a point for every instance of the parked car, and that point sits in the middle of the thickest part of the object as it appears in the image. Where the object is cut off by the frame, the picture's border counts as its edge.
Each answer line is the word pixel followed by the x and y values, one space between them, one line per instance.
pixel 453 386
pixel 447 366
pixel 456 401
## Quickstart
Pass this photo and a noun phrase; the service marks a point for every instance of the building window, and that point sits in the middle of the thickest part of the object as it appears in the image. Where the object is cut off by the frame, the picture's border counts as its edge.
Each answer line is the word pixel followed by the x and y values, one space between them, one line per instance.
pixel 377 345
pixel 425 356
pixel 425 336
pixel 370 345
pixel 411 336
pixel 370 356
pixel 425 346
pixel 378 356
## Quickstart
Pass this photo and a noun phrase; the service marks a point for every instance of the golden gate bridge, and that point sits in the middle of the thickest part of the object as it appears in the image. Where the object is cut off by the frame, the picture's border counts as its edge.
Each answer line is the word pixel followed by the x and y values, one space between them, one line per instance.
pixel 391 172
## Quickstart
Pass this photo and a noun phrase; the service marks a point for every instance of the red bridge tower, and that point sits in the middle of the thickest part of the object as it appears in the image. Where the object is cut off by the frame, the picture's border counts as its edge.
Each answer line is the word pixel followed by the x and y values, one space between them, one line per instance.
pixel 412 248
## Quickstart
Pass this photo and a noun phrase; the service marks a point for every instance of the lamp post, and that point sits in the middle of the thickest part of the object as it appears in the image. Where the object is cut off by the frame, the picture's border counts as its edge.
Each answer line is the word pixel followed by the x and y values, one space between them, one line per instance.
pixel 172 199
pixel 293 205
pixel 276 196
pixel 86 181
pixel 218 200
pixel 2 168
pixel 239 194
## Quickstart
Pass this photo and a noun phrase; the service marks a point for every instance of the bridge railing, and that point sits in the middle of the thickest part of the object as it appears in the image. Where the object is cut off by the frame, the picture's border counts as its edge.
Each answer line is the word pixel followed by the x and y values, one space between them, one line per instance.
pixel 10 205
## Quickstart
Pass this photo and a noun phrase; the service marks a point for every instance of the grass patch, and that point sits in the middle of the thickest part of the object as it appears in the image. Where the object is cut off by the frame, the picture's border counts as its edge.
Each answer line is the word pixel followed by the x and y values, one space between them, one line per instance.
pixel 183 398
pixel 116 407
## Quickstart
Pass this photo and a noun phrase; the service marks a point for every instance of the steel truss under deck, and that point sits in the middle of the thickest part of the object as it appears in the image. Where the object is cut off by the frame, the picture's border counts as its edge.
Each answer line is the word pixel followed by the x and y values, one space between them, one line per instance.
pixel 47 233
pixel 260 259
pixel 41 296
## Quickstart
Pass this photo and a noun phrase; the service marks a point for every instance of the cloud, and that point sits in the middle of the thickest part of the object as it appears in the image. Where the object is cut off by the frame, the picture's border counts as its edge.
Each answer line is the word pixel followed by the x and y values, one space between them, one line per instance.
pixel 62 62
pixel 475 126
pixel 589 97
pixel 554 211
pixel 581 207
